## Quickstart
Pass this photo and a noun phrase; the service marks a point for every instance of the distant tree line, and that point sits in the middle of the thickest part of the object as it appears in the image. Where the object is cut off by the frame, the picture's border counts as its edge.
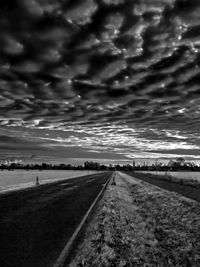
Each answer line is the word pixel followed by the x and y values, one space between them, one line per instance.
pixel 179 164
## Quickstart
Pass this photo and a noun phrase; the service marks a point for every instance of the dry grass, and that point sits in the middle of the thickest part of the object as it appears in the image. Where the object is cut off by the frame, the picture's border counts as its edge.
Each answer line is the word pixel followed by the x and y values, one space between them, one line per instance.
pixel 167 177
pixel 141 225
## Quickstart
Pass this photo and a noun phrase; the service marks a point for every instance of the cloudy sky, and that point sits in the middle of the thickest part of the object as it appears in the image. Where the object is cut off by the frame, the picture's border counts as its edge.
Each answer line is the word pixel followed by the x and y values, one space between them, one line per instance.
pixel 100 79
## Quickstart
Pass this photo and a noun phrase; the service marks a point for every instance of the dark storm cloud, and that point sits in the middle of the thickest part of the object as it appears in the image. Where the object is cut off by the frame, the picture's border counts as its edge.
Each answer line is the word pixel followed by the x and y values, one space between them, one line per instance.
pixel 67 65
pixel 16 143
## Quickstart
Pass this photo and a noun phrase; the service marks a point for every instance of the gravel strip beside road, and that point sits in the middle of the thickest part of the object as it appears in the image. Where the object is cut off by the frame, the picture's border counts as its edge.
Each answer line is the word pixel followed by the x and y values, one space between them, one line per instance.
pixel 138 224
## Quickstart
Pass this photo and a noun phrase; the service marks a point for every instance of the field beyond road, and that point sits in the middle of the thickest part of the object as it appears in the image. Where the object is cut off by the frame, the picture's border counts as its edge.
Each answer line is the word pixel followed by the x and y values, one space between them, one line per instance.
pixel 37 222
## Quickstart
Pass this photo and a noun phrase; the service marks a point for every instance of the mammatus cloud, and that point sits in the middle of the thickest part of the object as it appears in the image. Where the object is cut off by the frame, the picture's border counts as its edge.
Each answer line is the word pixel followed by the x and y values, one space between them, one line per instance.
pixel 109 76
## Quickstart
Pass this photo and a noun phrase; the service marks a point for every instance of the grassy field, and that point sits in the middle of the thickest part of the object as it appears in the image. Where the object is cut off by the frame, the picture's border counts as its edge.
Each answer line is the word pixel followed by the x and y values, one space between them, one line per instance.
pixel 186 175
pixel 19 179
pixel 138 224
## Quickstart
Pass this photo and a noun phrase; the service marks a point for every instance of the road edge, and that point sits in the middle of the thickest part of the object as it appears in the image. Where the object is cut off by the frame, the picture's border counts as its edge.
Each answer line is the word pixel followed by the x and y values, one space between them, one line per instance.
pixel 68 247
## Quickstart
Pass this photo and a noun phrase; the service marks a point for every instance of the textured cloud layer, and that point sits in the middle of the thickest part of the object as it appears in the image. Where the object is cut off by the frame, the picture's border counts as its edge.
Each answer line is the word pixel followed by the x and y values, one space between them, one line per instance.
pixel 125 71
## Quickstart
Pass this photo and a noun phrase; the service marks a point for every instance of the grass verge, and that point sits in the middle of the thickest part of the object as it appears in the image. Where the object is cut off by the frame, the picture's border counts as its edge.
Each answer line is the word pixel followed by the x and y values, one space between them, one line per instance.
pixel 138 224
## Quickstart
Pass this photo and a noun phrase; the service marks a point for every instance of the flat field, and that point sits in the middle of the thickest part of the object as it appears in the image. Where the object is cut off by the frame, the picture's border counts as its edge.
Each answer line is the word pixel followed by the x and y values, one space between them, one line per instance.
pixel 186 175
pixel 17 179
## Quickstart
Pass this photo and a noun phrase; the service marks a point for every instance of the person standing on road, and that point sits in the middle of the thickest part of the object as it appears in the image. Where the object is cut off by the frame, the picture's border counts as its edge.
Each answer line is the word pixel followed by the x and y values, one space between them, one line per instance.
pixel 37 180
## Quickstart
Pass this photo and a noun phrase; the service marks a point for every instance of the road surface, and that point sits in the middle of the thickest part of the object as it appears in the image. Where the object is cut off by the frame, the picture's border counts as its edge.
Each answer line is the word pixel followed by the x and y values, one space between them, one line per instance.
pixel 36 223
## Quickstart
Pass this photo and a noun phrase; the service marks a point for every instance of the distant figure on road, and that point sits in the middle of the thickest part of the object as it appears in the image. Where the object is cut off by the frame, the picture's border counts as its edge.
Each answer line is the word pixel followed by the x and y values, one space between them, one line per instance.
pixel 37 180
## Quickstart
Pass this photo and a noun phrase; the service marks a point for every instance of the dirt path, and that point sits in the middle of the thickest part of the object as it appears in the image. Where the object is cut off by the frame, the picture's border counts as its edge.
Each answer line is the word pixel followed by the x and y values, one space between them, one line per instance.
pixel 36 223
pixel 138 224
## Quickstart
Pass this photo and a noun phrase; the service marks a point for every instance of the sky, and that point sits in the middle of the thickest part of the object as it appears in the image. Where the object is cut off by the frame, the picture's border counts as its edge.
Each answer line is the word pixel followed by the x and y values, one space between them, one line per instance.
pixel 110 80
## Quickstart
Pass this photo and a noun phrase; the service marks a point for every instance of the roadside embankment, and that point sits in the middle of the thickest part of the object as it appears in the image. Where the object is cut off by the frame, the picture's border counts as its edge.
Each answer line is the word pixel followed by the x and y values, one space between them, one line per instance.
pixel 168 177
pixel 139 224
pixel 185 188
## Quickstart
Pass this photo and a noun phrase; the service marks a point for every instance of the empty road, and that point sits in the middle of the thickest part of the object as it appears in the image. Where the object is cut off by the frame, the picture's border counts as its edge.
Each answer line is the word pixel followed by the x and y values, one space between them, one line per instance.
pixel 37 222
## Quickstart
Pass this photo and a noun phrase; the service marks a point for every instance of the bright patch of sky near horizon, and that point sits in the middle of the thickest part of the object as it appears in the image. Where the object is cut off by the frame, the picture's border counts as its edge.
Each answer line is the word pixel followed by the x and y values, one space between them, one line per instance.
pixel 99 79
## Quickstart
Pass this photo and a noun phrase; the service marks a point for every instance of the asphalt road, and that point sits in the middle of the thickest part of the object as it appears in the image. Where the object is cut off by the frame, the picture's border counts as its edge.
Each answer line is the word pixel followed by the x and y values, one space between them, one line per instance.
pixel 36 223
